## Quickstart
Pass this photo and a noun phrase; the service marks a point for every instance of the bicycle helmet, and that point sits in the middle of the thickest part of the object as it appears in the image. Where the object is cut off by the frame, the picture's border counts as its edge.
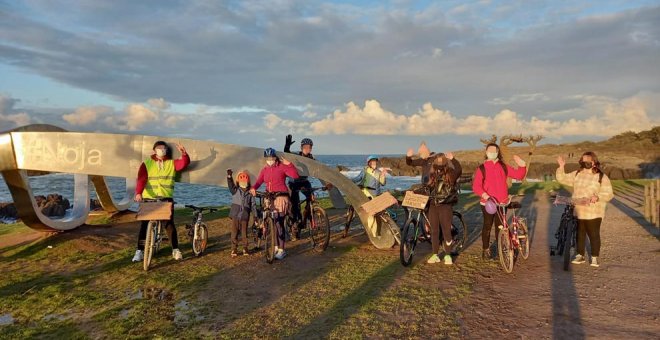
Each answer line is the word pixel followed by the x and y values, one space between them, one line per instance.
pixel 270 152
pixel 306 141
pixel 243 177
pixel 491 207
pixel 372 158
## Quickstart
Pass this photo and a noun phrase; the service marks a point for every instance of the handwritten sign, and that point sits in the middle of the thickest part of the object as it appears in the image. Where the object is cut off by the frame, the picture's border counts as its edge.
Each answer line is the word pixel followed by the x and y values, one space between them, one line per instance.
pixel 379 203
pixel 152 211
pixel 413 200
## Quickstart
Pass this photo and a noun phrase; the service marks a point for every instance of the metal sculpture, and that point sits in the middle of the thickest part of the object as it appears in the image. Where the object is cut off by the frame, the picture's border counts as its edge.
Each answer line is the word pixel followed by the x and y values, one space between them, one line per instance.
pixel 93 156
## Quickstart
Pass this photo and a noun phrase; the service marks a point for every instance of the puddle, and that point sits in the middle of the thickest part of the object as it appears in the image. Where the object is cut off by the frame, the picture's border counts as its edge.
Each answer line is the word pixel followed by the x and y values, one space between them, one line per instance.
pixel 6 319
pixel 151 293
pixel 181 311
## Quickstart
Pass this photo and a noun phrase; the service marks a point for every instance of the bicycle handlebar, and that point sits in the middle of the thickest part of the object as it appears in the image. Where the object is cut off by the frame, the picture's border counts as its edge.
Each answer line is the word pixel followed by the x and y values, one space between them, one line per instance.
pixel 200 209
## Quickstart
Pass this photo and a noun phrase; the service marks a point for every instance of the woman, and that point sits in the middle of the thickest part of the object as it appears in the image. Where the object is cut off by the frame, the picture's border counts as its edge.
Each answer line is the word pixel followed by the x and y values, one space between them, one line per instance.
pixel 443 196
pixel 490 181
pixel 274 174
pixel 591 183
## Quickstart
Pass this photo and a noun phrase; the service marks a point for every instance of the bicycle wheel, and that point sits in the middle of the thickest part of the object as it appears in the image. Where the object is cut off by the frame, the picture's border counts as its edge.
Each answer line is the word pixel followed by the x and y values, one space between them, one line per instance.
pixel 568 243
pixel 561 236
pixel 149 246
pixel 458 232
pixel 319 229
pixel 269 237
pixel 408 241
pixel 504 250
pixel 288 229
pixel 200 239
pixel 523 238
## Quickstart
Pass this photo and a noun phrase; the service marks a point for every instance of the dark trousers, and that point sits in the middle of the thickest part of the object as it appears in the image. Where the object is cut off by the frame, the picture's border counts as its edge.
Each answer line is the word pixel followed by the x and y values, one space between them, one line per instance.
pixel 488 225
pixel 295 198
pixel 440 216
pixel 589 228
pixel 171 230
pixel 236 226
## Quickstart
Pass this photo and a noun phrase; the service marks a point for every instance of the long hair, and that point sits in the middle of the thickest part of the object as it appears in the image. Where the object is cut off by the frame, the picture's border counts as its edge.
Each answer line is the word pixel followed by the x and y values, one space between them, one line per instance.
pixel 596 169
pixel 500 158
pixel 442 172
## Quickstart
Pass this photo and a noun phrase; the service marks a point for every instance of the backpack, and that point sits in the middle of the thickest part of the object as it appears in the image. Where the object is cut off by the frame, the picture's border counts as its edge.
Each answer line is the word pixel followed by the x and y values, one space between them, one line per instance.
pixel 482 167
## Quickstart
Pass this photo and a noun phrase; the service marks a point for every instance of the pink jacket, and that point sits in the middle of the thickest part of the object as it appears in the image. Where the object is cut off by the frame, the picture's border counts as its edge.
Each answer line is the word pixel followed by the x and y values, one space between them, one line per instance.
pixel 495 183
pixel 275 177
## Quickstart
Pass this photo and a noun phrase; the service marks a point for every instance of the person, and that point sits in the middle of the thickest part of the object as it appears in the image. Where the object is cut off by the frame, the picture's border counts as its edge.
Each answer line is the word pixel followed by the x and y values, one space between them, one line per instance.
pixel 302 182
pixel 242 203
pixel 443 189
pixel 370 179
pixel 490 180
pixel 274 174
pixel 155 180
pixel 589 182
pixel 425 160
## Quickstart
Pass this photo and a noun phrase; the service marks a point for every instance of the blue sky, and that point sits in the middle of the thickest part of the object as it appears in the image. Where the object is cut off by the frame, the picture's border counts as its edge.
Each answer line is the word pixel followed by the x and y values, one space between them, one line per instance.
pixel 356 76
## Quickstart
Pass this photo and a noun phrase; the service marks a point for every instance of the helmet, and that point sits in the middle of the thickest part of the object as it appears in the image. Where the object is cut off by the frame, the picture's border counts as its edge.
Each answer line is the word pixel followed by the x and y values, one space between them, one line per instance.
pixel 270 152
pixel 491 207
pixel 306 141
pixel 372 158
pixel 243 177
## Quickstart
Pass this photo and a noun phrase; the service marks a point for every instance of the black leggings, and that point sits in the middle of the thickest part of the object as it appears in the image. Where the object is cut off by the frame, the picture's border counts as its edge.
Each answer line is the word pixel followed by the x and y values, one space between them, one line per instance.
pixel 171 231
pixel 440 216
pixel 592 229
pixel 236 225
pixel 488 225
pixel 295 198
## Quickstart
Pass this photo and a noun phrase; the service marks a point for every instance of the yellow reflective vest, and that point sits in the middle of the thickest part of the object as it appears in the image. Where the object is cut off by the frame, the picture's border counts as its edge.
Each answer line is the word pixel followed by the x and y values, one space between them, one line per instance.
pixel 160 180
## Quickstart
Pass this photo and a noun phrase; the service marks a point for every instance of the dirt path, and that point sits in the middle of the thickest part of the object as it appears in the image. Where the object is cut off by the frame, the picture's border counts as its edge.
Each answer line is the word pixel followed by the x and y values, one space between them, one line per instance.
pixel 618 300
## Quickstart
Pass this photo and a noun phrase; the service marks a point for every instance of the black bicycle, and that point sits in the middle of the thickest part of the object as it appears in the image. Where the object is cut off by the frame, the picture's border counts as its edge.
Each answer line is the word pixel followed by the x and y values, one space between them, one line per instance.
pixel 266 224
pixel 314 219
pixel 566 234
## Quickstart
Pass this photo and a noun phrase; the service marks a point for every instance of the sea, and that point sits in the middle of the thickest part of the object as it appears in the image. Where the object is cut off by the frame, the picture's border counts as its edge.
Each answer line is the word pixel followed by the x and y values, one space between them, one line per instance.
pixel 196 194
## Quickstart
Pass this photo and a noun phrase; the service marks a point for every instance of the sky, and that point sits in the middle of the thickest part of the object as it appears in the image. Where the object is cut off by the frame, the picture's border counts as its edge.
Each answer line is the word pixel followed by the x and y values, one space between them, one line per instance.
pixel 355 76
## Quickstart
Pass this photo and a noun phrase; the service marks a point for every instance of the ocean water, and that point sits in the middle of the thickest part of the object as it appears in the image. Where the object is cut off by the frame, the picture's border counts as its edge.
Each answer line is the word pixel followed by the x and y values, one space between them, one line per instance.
pixel 185 193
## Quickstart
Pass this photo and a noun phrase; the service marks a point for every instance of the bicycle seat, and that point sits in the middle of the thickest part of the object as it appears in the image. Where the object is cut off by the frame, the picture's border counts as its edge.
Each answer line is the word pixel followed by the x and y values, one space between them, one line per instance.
pixel 514 205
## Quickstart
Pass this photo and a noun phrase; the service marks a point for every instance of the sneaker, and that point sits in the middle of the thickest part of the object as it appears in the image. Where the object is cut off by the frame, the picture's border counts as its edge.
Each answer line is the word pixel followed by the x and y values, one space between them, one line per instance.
pixel 579 259
pixel 245 252
pixel 448 260
pixel 594 261
pixel 485 254
pixel 176 254
pixel 139 256
pixel 433 259
pixel 280 254
pixel 234 253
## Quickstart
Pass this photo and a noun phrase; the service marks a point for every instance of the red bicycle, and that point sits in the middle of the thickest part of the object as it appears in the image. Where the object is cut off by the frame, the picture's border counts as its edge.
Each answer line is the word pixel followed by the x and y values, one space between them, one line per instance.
pixel 512 237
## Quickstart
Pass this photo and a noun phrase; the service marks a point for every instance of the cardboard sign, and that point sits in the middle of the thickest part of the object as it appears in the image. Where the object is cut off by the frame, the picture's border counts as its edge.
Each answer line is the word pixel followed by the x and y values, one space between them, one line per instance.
pixel 379 203
pixel 152 211
pixel 416 201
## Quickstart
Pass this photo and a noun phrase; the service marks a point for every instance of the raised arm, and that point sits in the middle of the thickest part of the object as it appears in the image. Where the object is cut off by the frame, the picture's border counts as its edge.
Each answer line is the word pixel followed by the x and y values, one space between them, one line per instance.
pixel 562 176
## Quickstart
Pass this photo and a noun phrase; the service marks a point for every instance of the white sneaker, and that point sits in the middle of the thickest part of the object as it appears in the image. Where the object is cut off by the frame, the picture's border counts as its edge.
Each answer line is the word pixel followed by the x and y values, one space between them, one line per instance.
pixel 280 254
pixel 139 256
pixel 579 259
pixel 176 254
pixel 594 261
pixel 448 260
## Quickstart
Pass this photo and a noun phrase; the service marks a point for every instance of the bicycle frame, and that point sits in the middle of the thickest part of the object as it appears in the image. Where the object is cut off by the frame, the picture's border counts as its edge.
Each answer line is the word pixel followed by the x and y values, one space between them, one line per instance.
pixel 512 228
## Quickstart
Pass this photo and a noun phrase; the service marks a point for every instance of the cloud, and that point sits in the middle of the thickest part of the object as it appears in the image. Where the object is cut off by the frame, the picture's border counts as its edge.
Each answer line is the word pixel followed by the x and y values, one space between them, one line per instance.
pixel 10 117
pixel 606 117
pixel 158 103
pixel 86 115
pixel 519 98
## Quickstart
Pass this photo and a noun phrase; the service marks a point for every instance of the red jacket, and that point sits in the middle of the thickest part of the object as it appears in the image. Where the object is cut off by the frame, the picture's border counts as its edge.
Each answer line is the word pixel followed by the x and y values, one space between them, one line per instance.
pixel 179 165
pixel 275 177
pixel 495 183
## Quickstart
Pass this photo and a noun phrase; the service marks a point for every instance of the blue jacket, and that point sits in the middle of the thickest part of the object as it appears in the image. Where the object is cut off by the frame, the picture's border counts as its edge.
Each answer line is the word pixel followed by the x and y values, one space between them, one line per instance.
pixel 369 179
pixel 242 201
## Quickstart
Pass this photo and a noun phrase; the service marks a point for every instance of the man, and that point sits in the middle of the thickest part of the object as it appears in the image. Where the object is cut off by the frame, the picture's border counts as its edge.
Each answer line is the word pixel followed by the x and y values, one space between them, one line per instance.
pixel 156 181
pixel 301 182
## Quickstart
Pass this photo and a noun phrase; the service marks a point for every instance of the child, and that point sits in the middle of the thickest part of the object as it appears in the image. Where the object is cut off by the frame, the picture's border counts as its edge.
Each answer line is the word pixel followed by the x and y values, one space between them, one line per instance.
pixel 242 203
pixel 370 180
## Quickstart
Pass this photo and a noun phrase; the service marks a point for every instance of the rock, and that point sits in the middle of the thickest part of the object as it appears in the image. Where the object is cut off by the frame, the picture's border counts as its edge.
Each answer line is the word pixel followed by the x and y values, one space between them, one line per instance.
pixel 342 168
pixel 8 210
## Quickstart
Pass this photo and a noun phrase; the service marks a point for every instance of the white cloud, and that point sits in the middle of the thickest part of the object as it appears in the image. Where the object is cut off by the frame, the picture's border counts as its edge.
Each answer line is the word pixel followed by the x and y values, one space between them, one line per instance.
pixel 519 98
pixel 158 103
pixel 9 117
pixel 172 121
pixel 309 114
pixel 86 115
pixel 606 117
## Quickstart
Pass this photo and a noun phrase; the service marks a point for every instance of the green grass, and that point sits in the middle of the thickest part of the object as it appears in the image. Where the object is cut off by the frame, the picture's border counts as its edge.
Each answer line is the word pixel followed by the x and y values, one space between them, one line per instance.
pixel 19 227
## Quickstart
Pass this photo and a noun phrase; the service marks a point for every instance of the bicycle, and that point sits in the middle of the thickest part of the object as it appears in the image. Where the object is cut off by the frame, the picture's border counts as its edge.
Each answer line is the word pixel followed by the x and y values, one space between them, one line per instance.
pixel 512 237
pixel 566 234
pixel 382 216
pixel 265 219
pixel 197 229
pixel 415 227
pixel 315 220
pixel 158 213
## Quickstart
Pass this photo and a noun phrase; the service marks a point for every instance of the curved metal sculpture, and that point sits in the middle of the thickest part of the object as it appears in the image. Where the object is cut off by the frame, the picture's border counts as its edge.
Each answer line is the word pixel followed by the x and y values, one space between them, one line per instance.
pixel 92 156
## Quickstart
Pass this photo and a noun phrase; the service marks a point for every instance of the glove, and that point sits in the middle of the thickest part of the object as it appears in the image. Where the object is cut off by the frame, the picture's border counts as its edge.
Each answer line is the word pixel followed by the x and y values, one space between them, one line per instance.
pixel 229 172
pixel 289 141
